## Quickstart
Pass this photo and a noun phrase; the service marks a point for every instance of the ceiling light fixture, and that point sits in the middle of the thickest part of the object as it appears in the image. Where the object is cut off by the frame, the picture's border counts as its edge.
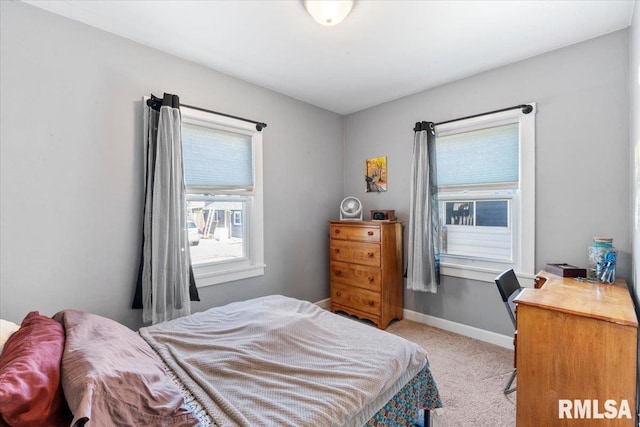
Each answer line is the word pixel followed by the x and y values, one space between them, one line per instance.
pixel 328 12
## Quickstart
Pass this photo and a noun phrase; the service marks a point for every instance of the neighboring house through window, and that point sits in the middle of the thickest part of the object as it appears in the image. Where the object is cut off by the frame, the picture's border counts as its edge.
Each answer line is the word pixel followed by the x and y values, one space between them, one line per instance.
pixel 223 177
pixel 486 194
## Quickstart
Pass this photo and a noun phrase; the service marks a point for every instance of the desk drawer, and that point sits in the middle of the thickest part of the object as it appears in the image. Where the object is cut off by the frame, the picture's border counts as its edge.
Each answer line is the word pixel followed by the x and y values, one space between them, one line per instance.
pixel 356 275
pixel 360 234
pixel 356 298
pixel 359 253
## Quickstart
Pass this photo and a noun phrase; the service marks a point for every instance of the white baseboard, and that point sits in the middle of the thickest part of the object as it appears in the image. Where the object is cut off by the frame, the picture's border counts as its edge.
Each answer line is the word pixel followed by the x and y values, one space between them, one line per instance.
pixel 459 328
pixel 447 325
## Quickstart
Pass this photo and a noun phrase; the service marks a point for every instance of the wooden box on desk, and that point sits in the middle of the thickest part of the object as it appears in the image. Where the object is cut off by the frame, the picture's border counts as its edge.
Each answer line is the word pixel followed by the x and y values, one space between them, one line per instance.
pixel 565 270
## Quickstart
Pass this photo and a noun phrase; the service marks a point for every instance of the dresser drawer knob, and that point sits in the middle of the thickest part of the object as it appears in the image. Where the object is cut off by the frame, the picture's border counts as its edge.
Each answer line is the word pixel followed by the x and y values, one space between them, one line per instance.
pixel 338 293
pixel 337 231
pixel 371 279
pixel 338 273
pixel 370 233
pixel 372 303
pixel 337 251
pixel 370 254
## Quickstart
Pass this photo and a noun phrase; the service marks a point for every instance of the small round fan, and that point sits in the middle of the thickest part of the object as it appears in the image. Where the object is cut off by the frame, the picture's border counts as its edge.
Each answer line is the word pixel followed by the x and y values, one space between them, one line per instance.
pixel 351 208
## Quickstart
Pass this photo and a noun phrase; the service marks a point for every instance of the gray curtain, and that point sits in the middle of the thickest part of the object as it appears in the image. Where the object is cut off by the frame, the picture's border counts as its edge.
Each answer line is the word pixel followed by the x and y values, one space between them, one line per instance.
pixel 165 283
pixel 423 269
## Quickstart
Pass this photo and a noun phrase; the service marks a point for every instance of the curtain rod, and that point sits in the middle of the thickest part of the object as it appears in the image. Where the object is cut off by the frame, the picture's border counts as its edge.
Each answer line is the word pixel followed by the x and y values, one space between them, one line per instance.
pixel 259 125
pixel 155 103
pixel 526 109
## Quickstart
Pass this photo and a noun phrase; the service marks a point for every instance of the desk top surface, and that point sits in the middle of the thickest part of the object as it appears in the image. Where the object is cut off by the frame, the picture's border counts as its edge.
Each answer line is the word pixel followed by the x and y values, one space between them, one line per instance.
pixel 606 302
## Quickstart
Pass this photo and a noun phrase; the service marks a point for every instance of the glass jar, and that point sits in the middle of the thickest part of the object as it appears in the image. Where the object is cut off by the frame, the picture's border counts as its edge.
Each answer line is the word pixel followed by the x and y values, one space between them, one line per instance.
pixel 602 260
pixel 607 269
pixel 596 257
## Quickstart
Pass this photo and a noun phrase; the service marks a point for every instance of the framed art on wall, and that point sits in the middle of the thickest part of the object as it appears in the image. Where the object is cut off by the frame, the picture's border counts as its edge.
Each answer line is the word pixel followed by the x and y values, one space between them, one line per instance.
pixel 376 174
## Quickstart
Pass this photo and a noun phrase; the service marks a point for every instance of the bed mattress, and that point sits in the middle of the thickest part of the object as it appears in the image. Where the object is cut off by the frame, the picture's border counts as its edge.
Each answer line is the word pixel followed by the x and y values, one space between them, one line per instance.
pixel 281 361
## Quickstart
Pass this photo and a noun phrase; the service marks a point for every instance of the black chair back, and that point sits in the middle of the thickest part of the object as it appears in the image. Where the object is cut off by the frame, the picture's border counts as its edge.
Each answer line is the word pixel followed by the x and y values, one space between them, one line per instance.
pixel 509 288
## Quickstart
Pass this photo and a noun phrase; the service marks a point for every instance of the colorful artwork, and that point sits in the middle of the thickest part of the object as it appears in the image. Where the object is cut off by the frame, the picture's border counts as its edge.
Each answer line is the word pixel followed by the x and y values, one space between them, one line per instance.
pixel 376 174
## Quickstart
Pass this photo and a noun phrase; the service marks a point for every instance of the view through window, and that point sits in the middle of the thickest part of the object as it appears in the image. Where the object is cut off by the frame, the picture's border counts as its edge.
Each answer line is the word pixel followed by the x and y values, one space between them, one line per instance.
pixel 220 235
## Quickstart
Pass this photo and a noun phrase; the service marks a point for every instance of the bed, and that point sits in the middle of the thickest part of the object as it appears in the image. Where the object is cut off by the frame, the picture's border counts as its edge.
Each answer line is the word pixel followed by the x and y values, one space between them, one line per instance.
pixel 270 361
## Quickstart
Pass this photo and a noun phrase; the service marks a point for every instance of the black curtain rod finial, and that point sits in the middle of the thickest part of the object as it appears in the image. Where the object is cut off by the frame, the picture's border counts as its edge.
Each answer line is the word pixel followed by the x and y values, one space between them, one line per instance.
pixel 424 126
pixel 526 108
pixel 167 100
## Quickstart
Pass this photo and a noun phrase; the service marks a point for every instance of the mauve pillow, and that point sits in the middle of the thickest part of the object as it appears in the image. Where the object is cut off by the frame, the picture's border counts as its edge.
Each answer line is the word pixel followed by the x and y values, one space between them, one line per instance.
pixel 30 388
pixel 111 376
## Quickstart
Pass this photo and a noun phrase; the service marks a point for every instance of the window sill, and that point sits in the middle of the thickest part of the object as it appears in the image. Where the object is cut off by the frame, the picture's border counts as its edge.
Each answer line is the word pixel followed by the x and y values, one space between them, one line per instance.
pixel 205 277
pixel 481 274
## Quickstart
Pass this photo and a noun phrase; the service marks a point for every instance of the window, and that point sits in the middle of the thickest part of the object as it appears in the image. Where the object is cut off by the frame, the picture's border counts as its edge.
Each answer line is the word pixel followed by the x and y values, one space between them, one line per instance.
pixel 470 225
pixel 223 177
pixel 485 170
pixel 237 217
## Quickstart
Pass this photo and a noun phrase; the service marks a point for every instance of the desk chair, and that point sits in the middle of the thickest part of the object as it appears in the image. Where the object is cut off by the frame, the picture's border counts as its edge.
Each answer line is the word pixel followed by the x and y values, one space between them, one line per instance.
pixel 509 288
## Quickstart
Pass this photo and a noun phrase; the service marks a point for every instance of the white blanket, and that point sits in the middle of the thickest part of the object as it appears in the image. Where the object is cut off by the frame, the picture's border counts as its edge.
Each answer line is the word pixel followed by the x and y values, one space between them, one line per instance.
pixel 278 361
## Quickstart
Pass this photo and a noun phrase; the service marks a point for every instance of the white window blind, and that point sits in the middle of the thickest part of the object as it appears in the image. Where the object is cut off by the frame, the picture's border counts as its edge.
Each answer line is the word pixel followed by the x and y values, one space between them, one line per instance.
pixel 484 156
pixel 216 160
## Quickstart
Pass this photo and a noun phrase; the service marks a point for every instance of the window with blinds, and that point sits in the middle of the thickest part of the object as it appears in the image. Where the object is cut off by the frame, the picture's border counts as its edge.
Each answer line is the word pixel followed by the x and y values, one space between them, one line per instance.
pixel 222 159
pixel 486 194
pixel 477 177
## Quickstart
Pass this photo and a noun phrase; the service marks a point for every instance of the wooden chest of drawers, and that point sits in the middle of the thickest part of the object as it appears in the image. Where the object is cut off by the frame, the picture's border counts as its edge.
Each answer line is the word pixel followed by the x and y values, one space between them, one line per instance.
pixel 366 269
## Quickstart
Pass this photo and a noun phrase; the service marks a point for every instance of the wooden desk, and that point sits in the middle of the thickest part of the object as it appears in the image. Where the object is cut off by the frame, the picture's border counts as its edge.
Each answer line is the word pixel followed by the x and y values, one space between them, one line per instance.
pixel 576 341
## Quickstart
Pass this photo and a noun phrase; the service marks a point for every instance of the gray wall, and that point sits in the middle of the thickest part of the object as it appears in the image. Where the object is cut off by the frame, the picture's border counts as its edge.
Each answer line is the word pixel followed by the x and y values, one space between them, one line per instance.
pixel 71 169
pixel 582 165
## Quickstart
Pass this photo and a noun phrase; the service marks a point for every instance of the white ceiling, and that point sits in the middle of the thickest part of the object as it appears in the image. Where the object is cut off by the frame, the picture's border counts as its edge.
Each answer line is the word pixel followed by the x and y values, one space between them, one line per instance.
pixel 382 51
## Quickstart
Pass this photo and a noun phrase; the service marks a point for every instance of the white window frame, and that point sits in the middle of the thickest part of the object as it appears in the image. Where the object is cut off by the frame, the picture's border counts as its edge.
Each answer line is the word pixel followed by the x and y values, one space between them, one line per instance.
pixel 252 265
pixel 522 218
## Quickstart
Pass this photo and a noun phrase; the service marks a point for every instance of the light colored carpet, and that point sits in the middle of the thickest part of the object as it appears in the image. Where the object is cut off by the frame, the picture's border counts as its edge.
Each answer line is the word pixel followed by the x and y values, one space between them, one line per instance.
pixel 470 375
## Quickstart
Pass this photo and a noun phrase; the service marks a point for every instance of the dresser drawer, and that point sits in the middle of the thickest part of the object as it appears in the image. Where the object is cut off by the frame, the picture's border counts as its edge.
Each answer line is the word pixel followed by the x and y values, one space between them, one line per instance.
pixel 360 234
pixel 356 298
pixel 356 275
pixel 356 252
